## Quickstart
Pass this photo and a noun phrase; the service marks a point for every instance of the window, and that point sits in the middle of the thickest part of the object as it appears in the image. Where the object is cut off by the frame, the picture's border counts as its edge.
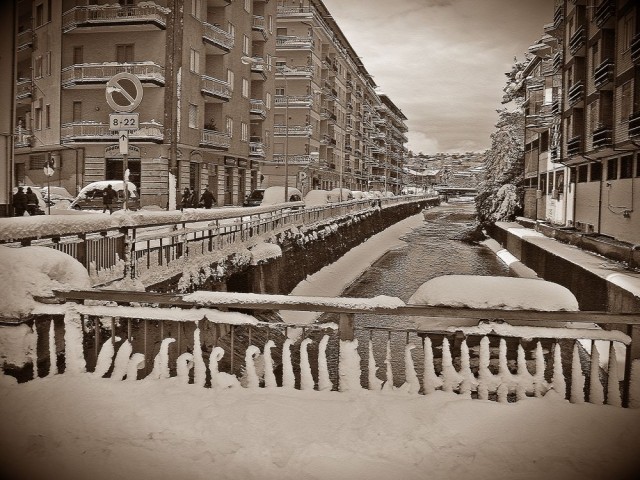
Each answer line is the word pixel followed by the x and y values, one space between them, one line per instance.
pixel 543 182
pixel 582 173
pixel 280 91
pixel 596 172
pixel 193 116
pixel 196 7
pixel 124 53
pixel 246 45
pixel 232 30
pixel 78 55
pixel 245 131
pixel 594 56
pixel 247 5
pixel 47 116
pixel 270 23
pixel 47 64
pixel 245 88
pixel 39 15
pixel 231 78
pixel 281 32
pixel 37 116
pixel 230 126
pixel 268 100
pixel 544 141
pixel 626 166
pixel 37 67
pixel 626 31
pixel 77 111
pixel 612 169
pixel 625 102
pixel 194 61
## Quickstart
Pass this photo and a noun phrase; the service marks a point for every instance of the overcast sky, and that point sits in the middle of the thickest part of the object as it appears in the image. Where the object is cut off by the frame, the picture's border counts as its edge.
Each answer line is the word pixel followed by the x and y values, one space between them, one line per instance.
pixel 442 62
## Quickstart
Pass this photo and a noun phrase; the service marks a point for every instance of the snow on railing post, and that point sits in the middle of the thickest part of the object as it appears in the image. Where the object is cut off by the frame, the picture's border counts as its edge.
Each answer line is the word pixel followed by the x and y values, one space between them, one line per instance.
pixel 596 391
pixel 430 380
pixel 410 370
pixel 269 376
pixel 577 378
pixel 558 381
pixel 136 362
pixel 324 382
pixel 539 383
pixel 632 357
pixel 184 363
pixel 613 382
pixel 349 366
pixel 122 361
pixel 469 381
pixel 525 379
pixel 105 358
pixel 161 361
pixel 485 377
pixel 251 377
pixel 73 351
pixel 504 373
pixel 388 384
pixel 374 382
pixel 288 378
pixel 346 327
pixel 199 367
pixel 306 378
pixel 53 354
pixel 450 377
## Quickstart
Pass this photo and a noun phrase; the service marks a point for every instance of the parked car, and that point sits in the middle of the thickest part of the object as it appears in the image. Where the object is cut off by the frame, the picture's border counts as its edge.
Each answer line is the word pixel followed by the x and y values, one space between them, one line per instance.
pixel 274 195
pixel 254 199
pixel 90 197
pixel 336 196
pixel 316 198
pixel 60 196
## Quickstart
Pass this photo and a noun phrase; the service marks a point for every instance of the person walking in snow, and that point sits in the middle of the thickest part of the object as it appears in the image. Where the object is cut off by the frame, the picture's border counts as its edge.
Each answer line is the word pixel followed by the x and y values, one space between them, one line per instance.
pixel 108 194
pixel 32 202
pixel 207 198
pixel 185 202
pixel 19 202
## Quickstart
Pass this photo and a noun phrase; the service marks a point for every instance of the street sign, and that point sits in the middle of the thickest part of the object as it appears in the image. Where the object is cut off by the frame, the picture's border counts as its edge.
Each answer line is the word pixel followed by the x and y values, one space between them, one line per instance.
pixel 123 141
pixel 123 121
pixel 124 92
pixel 48 167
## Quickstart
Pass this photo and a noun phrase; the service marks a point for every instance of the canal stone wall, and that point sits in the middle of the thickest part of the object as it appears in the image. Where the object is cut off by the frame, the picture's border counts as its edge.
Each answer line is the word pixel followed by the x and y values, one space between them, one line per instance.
pixel 592 290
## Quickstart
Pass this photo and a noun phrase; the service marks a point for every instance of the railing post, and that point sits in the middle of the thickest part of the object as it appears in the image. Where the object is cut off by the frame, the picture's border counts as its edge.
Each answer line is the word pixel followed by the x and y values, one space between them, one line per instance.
pixel 633 354
pixel 346 327
pixel 82 250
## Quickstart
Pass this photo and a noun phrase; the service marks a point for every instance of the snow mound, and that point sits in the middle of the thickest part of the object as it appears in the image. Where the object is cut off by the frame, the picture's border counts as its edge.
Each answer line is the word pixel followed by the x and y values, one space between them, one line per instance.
pixel 36 271
pixel 475 291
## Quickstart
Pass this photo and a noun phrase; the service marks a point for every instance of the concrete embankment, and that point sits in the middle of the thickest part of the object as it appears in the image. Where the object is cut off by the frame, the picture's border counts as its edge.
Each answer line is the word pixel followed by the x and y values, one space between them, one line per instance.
pixel 597 282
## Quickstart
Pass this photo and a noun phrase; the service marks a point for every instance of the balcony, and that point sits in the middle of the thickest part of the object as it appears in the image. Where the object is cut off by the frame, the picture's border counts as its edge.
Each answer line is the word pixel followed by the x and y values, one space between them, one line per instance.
pixel 22 138
pixel 256 150
pixel 258 68
pixel 294 43
pixel 604 14
pixel 558 16
pixel 258 27
pixel 92 74
pixel 297 72
pixel 577 42
pixel 214 36
pixel 100 132
pixel 327 114
pixel 293 100
pixel 24 41
pixel 603 75
pixel 24 89
pixel 635 49
pixel 574 145
pixel 602 137
pixel 294 159
pixel 258 110
pixel 215 140
pixel 295 12
pixel 555 106
pixel 634 125
pixel 575 94
pixel 214 90
pixel 557 62
pixel 292 131
pixel 115 18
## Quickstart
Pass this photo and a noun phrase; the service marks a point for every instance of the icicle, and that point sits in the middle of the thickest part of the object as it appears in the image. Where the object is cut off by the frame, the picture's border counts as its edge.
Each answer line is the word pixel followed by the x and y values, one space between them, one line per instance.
pixel 306 378
pixel 121 362
pixel 269 377
pixel 161 362
pixel 410 371
pixel 136 362
pixel 252 380
pixel 288 378
pixel 613 382
pixel 634 385
pixel 485 377
pixel 388 384
pixel 469 381
pixel 199 367
pixel 524 381
pixel 450 378
pixel 596 391
pixel 539 383
pixel 558 380
pixel 105 358
pixel 73 349
pixel 374 382
pixel 430 380
pixel 184 363
pixel 53 351
pixel 349 366
pixel 220 380
pixel 324 382
pixel 577 378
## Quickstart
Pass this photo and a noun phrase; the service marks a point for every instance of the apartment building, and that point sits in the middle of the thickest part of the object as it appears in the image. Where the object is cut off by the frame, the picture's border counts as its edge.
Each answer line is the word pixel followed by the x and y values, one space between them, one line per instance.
pixel 331 128
pixel 205 118
pixel 583 132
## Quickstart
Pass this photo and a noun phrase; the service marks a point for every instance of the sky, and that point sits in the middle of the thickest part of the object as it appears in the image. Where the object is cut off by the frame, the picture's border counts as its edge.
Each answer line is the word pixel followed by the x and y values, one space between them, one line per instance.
pixel 442 62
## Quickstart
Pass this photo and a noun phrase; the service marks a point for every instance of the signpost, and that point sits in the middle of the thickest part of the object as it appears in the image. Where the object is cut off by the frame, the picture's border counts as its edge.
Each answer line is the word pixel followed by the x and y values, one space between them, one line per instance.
pixel 124 94
pixel 48 169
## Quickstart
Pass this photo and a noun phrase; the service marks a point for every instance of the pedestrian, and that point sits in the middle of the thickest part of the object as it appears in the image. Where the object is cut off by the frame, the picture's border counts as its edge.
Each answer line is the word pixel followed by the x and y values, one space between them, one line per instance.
pixel 19 202
pixel 32 202
pixel 185 202
pixel 207 198
pixel 194 198
pixel 108 194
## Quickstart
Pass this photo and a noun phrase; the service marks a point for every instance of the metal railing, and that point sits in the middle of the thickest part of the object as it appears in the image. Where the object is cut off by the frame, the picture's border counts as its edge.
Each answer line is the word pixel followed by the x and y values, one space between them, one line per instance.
pixel 211 138
pixel 113 15
pixel 100 72
pixel 215 87
pixel 216 36
pixel 517 354
pixel 84 131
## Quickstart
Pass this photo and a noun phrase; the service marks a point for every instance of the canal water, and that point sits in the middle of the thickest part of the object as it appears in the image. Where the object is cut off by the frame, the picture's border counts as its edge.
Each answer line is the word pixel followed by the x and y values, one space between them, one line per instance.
pixel 431 250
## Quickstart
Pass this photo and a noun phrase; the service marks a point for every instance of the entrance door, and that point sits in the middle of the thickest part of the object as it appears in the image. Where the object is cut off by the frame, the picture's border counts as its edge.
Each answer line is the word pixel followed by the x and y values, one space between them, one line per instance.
pixel 114 171
pixel 228 186
pixel 242 185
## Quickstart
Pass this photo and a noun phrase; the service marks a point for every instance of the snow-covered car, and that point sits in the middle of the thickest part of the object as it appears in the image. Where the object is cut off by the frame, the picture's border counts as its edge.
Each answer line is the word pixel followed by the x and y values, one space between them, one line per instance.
pixel 359 195
pixel 59 196
pixel 275 195
pixel 254 199
pixel 336 196
pixel 90 197
pixel 317 198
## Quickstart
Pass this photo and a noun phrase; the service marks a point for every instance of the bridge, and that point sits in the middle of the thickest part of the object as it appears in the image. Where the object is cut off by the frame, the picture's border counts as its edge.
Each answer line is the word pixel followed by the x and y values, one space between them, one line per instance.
pixel 455 190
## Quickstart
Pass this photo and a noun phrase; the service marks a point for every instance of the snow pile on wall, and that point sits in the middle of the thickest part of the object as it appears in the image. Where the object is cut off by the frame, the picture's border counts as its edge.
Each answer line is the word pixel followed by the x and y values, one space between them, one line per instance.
pixel 263 252
pixel 36 271
pixel 475 291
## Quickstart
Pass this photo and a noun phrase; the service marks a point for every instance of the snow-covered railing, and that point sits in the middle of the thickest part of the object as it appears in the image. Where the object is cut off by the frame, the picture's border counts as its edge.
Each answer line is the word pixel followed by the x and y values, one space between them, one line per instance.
pixel 517 354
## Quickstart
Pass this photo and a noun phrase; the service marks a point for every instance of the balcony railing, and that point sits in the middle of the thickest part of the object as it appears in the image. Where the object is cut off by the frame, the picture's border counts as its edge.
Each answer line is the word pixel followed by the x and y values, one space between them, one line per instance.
pixel 294 159
pixel 605 11
pixel 297 12
pixel 107 15
pixel 295 71
pixel 635 49
pixel 98 73
pixel 22 137
pixel 634 125
pixel 24 40
pixel 211 138
pixel 217 37
pixel 216 88
pixel 557 62
pixel 293 130
pixel 603 74
pixel 602 137
pixel 575 93
pixel 24 89
pixel 256 149
pixel 259 26
pixel 294 42
pixel 574 145
pixel 577 42
pixel 558 16
pixel 258 108
pixel 99 132
pixel 294 100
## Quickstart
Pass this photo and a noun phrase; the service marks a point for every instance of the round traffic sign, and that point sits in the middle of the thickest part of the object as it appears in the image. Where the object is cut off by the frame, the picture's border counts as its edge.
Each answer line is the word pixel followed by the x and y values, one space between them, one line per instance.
pixel 124 92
